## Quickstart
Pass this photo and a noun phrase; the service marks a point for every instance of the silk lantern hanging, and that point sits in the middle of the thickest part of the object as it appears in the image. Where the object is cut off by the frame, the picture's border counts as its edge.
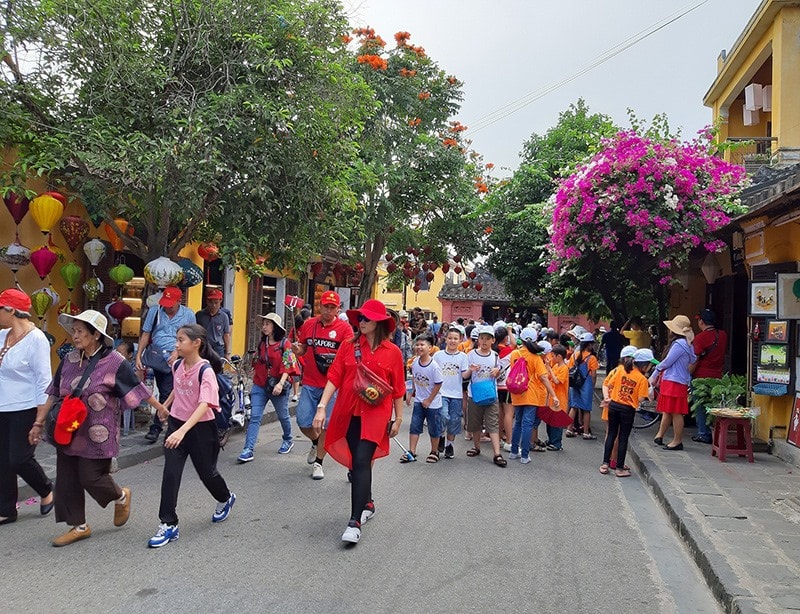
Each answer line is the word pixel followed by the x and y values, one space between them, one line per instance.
pixel 53 294
pixel 121 273
pixel 15 256
pixel 192 274
pixel 69 308
pixel 74 229
pixel 208 252
pixel 162 272
pixel 124 227
pixel 94 250
pixel 41 301
pixel 58 196
pixel 17 206
pixel 93 287
pixel 71 274
pixel 118 311
pixel 43 260
pixel 46 211
pixel 62 257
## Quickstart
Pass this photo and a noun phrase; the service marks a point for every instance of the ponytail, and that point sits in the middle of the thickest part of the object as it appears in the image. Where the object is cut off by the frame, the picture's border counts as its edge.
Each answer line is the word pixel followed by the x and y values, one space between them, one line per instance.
pixel 533 348
pixel 627 362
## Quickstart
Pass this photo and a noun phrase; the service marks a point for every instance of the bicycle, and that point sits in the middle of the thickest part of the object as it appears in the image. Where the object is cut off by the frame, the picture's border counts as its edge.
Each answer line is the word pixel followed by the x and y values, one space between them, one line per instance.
pixel 646 415
pixel 240 371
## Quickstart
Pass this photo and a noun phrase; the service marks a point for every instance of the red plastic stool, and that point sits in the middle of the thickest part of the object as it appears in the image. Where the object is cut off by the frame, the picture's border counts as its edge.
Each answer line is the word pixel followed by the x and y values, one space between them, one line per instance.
pixel 744 442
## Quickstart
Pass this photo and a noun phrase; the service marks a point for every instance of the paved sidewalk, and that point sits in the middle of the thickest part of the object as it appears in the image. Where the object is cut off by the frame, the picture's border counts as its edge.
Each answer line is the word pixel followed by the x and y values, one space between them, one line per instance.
pixel 135 449
pixel 738 519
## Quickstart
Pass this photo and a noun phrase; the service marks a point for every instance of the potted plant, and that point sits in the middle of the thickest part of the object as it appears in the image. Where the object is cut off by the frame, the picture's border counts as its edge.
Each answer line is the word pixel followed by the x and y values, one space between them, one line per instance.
pixel 729 392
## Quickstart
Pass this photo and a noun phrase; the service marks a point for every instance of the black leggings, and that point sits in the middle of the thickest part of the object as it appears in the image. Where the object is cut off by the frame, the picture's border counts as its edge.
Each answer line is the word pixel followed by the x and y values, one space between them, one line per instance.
pixel 361 475
pixel 620 422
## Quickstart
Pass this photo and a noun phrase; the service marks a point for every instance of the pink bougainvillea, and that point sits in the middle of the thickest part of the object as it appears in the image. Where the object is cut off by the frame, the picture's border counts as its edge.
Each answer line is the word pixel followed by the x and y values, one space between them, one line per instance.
pixel 659 200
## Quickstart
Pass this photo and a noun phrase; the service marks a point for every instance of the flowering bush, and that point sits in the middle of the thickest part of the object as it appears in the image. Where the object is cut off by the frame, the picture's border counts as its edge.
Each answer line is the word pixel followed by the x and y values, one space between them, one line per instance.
pixel 654 199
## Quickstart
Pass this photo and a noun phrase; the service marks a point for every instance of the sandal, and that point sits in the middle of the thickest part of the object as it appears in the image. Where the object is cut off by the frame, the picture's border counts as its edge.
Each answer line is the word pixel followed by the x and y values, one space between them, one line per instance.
pixel 472 452
pixel 570 433
pixel 499 461
pixel 623 473
pixel 405 458
pixel 433 457
pixel 589 436
pixel 604 469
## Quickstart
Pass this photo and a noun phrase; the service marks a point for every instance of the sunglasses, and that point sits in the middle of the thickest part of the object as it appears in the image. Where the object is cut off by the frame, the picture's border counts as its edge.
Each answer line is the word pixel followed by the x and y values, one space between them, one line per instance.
pixel 362 318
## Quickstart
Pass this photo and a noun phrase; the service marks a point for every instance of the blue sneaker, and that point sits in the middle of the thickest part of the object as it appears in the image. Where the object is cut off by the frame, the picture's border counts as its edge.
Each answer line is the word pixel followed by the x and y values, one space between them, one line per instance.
pixel 166 533
pixel 246 456
pixel 286 447
pixel 223 509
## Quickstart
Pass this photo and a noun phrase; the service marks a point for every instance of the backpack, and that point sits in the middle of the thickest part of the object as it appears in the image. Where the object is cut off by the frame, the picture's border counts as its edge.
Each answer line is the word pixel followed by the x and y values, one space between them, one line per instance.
pixel 227 398
pixel 577 376
pixel 518 378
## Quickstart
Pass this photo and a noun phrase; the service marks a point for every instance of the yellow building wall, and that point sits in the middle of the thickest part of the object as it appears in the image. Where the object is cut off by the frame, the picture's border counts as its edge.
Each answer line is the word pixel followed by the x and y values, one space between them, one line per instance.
pixel 786 71
pixel 427 300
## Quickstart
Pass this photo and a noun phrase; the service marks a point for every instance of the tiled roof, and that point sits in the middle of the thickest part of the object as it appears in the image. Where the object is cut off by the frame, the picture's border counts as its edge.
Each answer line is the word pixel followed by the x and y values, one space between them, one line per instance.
pixel 770 184
pixel 493 290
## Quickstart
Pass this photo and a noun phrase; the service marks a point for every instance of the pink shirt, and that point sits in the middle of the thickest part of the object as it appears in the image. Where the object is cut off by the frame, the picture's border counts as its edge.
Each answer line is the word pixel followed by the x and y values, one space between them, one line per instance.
pixel 189 392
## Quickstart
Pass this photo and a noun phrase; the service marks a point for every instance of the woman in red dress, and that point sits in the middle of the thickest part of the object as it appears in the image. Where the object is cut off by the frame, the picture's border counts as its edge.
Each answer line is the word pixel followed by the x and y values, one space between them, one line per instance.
pixel 359 432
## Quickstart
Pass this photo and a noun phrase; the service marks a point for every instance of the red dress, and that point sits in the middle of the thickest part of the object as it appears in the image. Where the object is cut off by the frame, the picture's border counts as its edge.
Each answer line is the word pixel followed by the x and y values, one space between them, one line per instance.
pixel 387 362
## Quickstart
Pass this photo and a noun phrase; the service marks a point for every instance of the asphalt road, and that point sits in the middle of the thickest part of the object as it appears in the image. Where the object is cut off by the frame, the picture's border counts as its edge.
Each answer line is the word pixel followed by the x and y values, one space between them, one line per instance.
pixel 458 536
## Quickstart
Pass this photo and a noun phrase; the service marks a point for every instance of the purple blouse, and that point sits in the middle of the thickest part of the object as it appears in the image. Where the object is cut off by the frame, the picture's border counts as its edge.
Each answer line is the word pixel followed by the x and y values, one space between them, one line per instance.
pixel 111 388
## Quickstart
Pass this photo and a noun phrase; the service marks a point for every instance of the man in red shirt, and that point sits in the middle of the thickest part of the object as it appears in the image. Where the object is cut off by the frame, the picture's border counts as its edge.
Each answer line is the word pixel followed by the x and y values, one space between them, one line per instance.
pixel 710 345
pixel 318 340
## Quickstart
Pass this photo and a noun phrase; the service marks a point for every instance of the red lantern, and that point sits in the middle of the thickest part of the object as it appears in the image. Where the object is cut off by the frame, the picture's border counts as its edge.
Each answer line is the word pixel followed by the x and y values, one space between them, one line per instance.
pixel 58 196
pixel 125 228
pixel 427 250
pixel 391 267
pixel 359 268
pixel 456 258
pixel 429 276
pixel 446 267
pixel 457 270
pixel 43 260
pixel 208 252
pixel 409 250
pixel 17 206
pixel 316 269
pixel 465 284
pixel 408 273
pixel 426 267
pixel 119 310
pixel 433 266
pixel 472 274
pixel 478 287
pixel 75 230
pixel 389 256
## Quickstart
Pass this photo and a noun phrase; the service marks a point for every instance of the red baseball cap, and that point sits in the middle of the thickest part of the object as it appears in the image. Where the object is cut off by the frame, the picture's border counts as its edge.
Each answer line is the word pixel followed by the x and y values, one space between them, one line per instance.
pixel 330 298
pixel 214 293
pixel 15 299
pixel 170 297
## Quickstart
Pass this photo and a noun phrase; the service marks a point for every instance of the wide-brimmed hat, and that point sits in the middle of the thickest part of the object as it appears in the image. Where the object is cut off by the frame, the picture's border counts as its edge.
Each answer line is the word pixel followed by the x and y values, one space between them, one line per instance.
pixel 373 310
pixel 681 325
pixel 275 319
pixel 16 300
pixel 90 316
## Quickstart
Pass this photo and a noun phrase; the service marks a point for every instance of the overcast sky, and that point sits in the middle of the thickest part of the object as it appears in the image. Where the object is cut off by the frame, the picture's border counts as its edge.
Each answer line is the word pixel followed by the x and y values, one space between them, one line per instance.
pixel 505 50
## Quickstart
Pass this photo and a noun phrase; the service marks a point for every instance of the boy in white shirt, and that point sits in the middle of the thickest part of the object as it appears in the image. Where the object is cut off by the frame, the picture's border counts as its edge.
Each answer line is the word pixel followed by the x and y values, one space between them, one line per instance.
pixel 426 383
pixel 455 369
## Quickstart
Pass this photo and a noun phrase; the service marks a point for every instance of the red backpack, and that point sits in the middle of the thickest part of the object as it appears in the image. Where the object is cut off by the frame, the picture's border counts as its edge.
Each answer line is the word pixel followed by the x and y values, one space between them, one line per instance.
pixel 518 378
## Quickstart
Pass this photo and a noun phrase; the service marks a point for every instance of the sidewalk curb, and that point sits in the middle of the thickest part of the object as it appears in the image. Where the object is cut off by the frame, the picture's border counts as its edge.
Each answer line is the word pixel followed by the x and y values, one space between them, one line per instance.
pixel 713 566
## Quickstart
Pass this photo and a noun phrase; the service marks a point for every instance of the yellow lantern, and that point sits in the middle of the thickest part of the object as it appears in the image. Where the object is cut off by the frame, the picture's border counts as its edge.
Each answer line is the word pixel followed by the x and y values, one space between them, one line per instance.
pixel 46 211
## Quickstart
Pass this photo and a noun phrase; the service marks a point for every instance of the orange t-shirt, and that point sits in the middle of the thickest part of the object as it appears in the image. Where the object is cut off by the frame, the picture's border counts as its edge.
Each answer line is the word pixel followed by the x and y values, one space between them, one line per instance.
pixel 562 387
pixel 466 346
pixel 627 388
pixel 536 393
pixel 590 360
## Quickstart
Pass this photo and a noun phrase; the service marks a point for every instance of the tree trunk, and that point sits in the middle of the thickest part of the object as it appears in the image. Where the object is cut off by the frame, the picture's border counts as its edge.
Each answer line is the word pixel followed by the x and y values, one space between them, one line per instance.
pixel 373 251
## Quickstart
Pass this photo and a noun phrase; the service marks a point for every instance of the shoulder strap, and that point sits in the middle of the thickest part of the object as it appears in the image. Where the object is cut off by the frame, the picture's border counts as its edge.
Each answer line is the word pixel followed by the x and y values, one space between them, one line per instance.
pixel 78 390
pixel 202 370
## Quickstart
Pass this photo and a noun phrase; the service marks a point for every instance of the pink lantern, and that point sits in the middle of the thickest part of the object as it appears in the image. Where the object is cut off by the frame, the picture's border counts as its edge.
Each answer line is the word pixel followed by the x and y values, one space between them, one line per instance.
pixel 43 260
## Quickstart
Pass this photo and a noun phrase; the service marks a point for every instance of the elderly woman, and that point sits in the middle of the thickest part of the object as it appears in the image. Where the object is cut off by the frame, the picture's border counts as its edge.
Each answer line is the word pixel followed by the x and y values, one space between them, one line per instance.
pixel 25 369
pixel 84 464
pixel 673 377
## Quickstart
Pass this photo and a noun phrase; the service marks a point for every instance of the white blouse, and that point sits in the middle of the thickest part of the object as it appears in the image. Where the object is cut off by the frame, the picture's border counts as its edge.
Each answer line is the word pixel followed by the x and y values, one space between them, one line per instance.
pixel 25 372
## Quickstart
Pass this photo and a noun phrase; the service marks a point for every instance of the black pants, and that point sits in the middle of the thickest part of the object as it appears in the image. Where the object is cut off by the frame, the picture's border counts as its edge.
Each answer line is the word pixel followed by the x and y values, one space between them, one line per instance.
pixel 76 476
pixel 201 444
pixel 17 459
pixel 620 422
pixel 361 479
pixel 165 383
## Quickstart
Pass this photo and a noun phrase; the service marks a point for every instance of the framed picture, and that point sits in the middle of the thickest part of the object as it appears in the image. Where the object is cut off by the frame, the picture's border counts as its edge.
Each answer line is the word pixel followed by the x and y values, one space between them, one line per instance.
pixel 763 298
pixel 793 432
pixel 788 295
pixel 773 364
pixel 777 331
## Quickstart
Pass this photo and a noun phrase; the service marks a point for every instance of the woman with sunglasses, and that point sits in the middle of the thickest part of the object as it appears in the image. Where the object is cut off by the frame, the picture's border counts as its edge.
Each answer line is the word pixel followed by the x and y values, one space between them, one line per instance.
pixel 359 431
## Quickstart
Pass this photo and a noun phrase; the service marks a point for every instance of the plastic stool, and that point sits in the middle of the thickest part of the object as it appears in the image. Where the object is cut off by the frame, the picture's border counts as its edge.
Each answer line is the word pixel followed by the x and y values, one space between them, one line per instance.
pixel 744 441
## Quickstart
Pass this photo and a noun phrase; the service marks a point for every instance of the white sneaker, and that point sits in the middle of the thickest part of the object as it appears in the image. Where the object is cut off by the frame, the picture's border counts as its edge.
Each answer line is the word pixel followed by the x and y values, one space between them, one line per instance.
pixel 311 458
pixel 513 456
pixel 506 447
pixel 368 512
pixel 294 398
pixel 525 460
pixel 351 534
pixel 316 472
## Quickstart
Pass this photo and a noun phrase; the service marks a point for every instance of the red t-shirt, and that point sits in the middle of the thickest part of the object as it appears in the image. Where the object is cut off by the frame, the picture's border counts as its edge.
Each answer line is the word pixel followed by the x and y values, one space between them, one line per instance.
pixel 321 339
pixel 269 361
pixel 711 364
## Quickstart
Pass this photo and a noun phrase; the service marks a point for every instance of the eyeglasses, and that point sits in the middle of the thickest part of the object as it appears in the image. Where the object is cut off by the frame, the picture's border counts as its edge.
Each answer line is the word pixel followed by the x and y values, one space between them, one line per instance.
pixel 362 318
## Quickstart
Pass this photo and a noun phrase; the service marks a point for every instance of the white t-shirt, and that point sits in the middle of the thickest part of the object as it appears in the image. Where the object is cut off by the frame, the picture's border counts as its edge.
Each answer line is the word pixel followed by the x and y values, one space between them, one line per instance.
pixel 424 380
pixel 485 366
pixel 25 371
pixel 452 366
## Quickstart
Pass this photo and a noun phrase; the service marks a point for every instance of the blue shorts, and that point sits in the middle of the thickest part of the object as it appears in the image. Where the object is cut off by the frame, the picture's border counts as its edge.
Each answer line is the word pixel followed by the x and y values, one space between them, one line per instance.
pixel 307 407
pixel 433 416
pixel 451 415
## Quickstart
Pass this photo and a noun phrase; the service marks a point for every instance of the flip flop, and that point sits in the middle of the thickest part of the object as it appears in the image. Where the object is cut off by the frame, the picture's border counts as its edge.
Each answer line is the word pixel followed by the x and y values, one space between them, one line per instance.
pixel 406 459
pixel 623 474
pixel 499 461
pixel 604 469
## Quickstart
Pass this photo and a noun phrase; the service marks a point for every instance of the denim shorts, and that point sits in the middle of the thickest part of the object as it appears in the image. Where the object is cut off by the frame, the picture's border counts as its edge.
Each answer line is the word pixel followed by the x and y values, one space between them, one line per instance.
pixel 451 415
pixel 307 406
pixel 433 416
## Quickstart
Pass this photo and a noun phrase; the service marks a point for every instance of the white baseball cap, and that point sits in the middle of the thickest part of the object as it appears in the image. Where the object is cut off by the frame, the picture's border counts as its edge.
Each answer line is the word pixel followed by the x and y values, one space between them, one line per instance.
pixel 546 347
pixel 485 330
pixel 628 351
pixel 644 355
pixel 528 334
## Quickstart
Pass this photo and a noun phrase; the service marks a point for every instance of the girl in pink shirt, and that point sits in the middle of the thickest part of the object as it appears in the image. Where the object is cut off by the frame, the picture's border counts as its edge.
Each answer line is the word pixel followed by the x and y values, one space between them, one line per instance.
pixel 191 431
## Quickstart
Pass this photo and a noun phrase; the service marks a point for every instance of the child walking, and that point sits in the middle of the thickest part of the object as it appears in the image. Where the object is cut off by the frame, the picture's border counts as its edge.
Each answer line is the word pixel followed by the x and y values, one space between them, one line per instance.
pixel 455 369
pixel 191 431
pixel 559 379
pixel 426 383
pixel 627 388
pixel 627 352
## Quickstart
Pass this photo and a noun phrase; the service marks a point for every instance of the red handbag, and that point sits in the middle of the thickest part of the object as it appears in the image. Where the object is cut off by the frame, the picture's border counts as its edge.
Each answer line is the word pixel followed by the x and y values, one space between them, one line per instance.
pixel 369 386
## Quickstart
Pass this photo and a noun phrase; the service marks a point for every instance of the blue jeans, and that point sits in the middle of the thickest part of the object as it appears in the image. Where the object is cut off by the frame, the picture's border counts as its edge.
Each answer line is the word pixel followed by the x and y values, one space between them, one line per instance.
pixel 524 418
pixel 259 397
pixel 451 415
pixel 702 428
pixel 420 415
pixel 555 436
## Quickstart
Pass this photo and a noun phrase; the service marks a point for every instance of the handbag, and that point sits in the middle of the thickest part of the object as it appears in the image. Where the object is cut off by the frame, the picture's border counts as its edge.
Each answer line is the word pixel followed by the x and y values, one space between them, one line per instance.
pixel 368 385
pixel 153 357
pixel 71 400
pixel 484 392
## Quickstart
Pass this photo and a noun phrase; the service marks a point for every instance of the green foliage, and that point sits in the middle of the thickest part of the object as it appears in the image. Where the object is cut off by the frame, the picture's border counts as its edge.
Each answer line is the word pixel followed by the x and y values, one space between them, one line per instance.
pixel 708 392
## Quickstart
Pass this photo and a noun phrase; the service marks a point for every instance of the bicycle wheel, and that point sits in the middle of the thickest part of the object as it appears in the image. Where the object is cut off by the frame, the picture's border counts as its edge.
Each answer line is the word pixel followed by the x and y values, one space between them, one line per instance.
pixel 646 415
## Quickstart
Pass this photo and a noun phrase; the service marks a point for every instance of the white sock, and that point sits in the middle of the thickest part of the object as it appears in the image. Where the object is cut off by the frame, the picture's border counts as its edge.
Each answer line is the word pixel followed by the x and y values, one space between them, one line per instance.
pixel 121 500
pixel 81 527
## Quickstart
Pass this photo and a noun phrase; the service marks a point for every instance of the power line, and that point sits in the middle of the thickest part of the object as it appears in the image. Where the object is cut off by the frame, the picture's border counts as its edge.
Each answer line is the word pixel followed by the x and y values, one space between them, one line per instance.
pixel 519 104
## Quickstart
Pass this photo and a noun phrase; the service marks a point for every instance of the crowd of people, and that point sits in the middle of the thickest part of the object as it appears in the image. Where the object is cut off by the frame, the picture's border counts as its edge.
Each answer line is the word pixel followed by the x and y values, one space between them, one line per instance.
pixel 358 371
